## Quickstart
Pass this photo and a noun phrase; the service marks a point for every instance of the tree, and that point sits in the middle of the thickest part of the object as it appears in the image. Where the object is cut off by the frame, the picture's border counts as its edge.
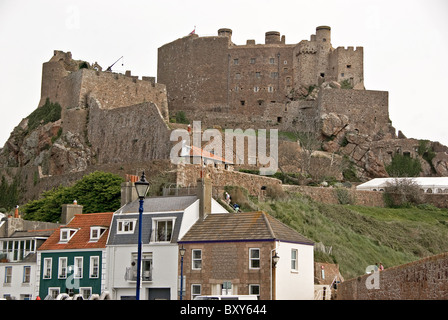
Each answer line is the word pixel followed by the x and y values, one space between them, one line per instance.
pixel 97 192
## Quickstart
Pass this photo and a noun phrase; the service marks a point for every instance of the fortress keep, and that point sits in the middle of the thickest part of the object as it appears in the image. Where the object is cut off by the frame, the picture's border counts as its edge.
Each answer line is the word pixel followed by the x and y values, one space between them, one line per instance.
pixel 269 85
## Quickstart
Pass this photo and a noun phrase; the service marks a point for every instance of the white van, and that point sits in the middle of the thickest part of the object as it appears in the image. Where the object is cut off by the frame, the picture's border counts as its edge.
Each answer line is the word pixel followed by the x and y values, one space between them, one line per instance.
pixel 227 297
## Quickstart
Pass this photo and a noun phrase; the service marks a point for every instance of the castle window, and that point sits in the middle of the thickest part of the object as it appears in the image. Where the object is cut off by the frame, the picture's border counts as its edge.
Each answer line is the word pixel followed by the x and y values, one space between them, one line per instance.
pixel 274 75
pixel 270 89
pixel 349 66
pixel 272 60
pixel 285 62
pixel 257 75
pixel 322 74
pixel 243 102
pixel 236 89
pixel 238 76
pixel 279 119
pixel 235 61
pixel 252 60
pixel 324 40
pixel 342 74
pixel 260 102
pixel 256 89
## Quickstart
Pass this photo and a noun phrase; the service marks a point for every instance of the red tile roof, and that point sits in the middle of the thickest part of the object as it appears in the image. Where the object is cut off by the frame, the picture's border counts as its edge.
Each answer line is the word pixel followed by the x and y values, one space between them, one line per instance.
pixel 81 239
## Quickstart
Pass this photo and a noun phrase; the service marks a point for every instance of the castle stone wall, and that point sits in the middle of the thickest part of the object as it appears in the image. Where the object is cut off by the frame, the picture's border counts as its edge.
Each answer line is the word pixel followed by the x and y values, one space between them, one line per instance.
pixel 425 279
pixel 124 135
pixel 367 110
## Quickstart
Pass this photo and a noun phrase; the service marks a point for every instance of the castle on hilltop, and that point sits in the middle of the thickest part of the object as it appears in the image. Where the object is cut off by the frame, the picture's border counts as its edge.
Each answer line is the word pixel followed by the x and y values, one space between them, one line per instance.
pixel 119 123
pixel 270 85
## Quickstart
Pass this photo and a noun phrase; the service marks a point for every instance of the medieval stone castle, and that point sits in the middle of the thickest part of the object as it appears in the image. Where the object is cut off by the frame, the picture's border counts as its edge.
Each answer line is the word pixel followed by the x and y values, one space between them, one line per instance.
pixel 118 122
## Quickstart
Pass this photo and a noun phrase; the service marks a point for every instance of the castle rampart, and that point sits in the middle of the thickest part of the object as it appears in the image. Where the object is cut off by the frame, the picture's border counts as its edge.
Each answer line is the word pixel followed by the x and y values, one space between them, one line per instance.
pixel 212 72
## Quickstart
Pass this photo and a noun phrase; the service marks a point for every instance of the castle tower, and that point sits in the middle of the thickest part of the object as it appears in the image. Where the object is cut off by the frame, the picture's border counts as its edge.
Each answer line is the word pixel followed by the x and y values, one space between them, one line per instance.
pixel 272 37
pixel 225 32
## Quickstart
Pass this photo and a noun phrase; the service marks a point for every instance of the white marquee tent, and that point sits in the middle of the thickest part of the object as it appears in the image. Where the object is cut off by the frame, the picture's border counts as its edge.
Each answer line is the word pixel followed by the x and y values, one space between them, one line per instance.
pixel 427 184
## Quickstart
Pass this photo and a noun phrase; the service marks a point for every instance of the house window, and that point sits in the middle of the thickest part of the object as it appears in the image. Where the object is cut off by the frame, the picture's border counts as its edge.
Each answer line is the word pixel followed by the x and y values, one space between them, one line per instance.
pixel 54 292
pixel 85 292
pixel 47 268
pixel 8 275
pixel 26 274
pixel 126 226
pixel 294 262
pixel 254 289
pixel 96 233
pixel 94 267
pixel 131 273
pixel 195 290
pixel 66 234
pixel 78 267
pixel 254 258
pixel 197 259
pixel 164 229
pixel 62 272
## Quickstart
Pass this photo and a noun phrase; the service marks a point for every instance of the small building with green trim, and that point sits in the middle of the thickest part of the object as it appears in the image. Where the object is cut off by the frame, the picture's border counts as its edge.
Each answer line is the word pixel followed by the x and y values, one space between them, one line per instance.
pixel 72 260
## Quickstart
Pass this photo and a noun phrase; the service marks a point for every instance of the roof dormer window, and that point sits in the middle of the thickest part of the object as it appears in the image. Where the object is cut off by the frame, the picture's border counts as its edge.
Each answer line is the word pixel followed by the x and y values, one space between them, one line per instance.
pixel 66 234
pixel 96 233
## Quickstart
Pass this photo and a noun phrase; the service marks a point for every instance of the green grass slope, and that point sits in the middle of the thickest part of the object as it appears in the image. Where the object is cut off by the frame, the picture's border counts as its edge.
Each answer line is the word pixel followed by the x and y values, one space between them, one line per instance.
pixel 362 236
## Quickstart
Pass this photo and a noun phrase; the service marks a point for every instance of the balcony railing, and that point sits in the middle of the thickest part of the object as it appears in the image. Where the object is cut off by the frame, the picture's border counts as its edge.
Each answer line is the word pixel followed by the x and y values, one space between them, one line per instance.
pixel 131 274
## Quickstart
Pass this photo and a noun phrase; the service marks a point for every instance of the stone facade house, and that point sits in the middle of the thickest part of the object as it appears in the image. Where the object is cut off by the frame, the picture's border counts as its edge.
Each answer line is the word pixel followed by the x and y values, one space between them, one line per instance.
pixel 233 254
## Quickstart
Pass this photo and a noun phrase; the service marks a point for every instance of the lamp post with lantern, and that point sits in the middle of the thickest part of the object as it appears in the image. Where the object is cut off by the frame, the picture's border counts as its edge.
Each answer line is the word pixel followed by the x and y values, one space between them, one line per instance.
pixel 141 187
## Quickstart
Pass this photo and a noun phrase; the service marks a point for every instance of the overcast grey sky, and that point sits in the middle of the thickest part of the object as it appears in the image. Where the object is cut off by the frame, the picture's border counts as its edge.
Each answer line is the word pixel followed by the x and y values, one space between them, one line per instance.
pixel 405 44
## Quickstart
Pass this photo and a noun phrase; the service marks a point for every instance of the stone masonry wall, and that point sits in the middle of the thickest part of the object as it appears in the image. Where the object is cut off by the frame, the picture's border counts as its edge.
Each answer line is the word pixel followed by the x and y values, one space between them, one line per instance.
pixel 425 279
pixel 227 262
pixel 188 174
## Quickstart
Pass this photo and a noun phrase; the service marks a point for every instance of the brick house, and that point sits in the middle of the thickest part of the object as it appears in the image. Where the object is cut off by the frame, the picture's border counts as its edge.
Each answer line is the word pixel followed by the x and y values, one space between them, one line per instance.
pixel 232 254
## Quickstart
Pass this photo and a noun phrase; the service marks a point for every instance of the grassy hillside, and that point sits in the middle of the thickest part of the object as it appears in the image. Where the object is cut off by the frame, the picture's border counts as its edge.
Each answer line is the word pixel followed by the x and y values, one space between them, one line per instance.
pixel 361 236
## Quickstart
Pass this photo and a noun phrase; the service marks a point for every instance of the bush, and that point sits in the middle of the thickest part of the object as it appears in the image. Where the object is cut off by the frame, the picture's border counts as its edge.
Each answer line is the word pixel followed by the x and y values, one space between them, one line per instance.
pixel 404 166
pixel 402 193
pixel 49 112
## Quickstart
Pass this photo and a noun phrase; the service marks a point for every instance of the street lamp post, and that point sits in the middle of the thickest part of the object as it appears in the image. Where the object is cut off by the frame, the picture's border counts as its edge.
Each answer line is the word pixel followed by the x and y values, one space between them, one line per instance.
pixel 142 187
pixel 182 253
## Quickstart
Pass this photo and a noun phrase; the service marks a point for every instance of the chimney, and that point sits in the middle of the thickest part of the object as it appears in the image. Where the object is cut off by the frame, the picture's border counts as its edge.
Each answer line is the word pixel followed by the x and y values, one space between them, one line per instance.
pixel 205 197
pixel 16 212
pixel 128 192
pixel 69 211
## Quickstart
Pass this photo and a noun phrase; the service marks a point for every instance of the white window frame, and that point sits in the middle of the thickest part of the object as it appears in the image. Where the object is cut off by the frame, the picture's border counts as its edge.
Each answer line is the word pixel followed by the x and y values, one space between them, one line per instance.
pixel 47 269
pixel 123 226
pixel 78 267
pixel 92 273
pixel 26 276
pixel 252 286
pixel 66 234
pixel 155 225
pixel 251 259
pixel 294 260
pixel 86 292
pixel 193 293
pixel 54 291
pixel 62 269
pixel 96 233
pixel 194 260
pixel 8 275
